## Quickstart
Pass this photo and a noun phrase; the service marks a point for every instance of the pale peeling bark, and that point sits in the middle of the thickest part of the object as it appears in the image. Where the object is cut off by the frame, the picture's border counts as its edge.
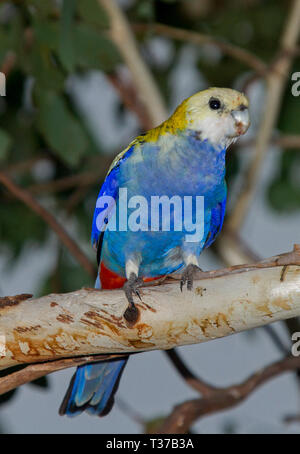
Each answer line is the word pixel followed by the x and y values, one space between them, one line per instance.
pixel 89 322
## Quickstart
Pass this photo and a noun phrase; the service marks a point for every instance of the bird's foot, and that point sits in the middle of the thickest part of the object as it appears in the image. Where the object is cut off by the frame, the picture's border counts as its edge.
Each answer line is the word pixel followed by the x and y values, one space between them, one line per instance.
pixel 131 288
pixel 187 276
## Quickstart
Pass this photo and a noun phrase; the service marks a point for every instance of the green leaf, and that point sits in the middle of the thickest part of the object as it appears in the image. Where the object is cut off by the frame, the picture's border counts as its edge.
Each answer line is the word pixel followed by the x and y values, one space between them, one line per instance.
pixel 60 128
pixel 47 33
pixel 145 10
pixel 91 12
pixel 40 60
pixel 19 225
pixel 41 65
pixel 11 36
pixel 283 196
pixel 42 8
pixel 66 37
pixel 284 191
pixel 5 143
pixel 230 70
pixel 94 50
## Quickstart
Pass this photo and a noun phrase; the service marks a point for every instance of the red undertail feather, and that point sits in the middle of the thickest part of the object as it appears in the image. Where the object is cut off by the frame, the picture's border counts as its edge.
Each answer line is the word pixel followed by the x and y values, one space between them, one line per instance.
pixel 111 280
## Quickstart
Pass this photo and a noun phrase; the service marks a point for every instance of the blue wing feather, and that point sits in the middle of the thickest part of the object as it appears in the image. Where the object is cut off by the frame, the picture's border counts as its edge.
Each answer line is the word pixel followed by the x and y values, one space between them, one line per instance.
pixel 216 222
pixel 110 189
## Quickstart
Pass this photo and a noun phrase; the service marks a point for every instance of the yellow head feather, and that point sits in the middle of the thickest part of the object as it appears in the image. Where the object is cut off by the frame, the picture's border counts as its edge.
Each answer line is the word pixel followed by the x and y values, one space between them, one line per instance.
pixel 196 113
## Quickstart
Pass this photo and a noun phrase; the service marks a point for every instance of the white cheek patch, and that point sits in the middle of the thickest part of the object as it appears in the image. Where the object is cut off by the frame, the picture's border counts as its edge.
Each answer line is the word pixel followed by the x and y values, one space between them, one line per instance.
pixel 218 130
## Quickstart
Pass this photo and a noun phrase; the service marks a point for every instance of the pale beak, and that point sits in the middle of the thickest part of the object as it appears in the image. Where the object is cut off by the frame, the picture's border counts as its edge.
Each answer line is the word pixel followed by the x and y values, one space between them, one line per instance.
pixel 242 119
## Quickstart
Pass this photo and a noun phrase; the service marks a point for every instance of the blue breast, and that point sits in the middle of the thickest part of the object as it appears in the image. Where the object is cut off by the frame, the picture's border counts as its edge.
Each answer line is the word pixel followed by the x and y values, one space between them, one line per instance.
pixel 181 166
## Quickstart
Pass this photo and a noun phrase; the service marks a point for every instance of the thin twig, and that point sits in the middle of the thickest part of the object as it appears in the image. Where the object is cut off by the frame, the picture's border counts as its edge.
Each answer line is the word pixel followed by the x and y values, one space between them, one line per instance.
pixel 8 63
pixel 130 412
pixel 86 178
pixel 23 166
pixel 75 198
pixel 186 414
pixel 195 382
pixel 285 141
pixel 130 98
pixel 277 260
pixel 23 195
pixel 276 339
pixel 275 85
pixel 290 419
pixel 35 371
pixel 197 38
pixel 121 35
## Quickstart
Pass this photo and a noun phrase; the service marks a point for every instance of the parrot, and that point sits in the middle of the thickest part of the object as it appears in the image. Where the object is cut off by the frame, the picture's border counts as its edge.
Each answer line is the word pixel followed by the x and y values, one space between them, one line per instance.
pixel 183 157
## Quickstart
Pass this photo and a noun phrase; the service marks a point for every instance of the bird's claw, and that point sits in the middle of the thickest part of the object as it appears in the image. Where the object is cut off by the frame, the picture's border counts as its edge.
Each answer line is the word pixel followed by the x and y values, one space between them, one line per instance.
pixel 137 292
pixel 187 276
pixel 131 288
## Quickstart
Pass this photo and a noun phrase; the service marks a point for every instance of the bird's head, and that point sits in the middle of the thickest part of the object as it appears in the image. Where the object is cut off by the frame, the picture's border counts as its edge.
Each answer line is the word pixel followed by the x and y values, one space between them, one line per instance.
pixel 219 115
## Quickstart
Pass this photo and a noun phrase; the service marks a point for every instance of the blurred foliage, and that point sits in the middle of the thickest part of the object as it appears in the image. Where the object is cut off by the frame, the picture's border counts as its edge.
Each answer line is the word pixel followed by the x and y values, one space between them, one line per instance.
pixel 66 276
pixel 44 43
pixel 284 192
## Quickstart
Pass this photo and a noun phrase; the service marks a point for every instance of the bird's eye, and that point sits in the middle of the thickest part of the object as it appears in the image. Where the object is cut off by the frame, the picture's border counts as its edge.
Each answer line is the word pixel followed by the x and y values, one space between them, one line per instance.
pixel 214 104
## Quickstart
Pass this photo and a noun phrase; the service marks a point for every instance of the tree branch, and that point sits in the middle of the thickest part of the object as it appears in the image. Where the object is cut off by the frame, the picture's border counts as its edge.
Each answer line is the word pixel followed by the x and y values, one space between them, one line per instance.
pixel 288 141
pixel 23 195
pixel 185 414
pixel 121 35
pixel 131 99
pixel 195 382
pixel 243 55
pixel 35 371
pixel 91 322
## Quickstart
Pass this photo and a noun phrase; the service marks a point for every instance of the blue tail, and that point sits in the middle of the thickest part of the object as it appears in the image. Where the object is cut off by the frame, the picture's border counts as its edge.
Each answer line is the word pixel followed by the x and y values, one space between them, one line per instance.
pixel 92 388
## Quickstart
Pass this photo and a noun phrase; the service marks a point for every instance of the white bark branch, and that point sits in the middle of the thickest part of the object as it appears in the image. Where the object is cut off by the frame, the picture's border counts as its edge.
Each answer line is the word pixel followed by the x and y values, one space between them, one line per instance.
pixel 89 322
